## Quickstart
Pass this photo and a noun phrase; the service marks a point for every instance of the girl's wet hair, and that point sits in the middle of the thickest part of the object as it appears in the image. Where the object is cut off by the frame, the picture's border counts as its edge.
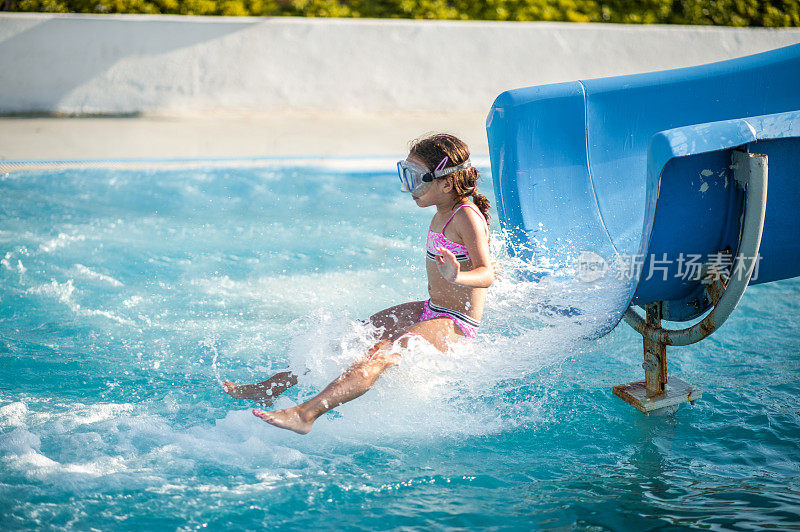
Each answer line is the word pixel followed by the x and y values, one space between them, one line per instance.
pixel 434 148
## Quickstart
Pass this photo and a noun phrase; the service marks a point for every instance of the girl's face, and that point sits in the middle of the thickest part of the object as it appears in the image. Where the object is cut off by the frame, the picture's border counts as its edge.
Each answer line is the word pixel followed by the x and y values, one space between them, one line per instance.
pixel 436 192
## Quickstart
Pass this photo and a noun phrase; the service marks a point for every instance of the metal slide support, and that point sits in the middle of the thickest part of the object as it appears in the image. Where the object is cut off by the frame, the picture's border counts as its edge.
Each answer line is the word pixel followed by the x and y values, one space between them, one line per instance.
pixel 750 171
pixel 655 356
pixel 657 391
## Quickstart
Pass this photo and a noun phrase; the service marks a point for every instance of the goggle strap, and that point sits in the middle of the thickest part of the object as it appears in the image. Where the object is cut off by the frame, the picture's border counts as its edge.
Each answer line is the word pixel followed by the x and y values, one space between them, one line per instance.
pixel 447 171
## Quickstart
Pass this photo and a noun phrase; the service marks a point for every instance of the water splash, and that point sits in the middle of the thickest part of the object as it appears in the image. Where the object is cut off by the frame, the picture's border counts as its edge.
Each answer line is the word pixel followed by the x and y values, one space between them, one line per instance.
pixel 108 419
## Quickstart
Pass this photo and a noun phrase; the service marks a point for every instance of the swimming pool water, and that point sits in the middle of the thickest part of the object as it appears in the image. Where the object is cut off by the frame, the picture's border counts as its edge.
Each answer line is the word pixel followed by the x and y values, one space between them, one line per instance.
pixel 127 295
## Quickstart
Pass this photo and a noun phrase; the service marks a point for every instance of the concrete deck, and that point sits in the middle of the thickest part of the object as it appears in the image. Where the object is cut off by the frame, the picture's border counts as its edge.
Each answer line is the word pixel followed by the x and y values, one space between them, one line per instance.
pixel 229 135
pixel 283 86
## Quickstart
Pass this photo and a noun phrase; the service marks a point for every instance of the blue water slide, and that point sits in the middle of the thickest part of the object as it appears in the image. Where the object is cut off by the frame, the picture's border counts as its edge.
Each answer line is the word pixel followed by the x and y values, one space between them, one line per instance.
pixel 640 168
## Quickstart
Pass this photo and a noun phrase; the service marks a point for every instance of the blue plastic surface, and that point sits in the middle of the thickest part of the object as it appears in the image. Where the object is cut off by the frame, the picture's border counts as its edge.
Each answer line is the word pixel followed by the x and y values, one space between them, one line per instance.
pixel 698 206
pixel 578 165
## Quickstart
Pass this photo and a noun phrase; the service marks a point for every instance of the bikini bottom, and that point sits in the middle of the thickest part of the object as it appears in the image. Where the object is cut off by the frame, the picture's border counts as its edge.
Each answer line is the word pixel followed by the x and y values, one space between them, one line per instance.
pixel 468 326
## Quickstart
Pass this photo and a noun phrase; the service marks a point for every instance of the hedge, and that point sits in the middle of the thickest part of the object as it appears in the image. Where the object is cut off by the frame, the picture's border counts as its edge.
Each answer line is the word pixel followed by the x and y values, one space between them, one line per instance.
pixel 768 13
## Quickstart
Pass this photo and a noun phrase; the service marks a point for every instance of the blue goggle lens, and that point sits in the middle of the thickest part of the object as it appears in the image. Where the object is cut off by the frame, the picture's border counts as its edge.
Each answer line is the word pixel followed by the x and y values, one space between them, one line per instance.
pixel 410 177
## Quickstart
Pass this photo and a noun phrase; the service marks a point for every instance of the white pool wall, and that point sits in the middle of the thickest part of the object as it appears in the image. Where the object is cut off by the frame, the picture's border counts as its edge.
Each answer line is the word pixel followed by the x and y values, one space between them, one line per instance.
pixel 118 64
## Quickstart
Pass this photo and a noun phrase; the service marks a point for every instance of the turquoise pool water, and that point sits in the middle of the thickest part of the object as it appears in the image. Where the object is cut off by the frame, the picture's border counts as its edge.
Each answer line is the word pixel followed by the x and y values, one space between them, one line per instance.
pixel 127 295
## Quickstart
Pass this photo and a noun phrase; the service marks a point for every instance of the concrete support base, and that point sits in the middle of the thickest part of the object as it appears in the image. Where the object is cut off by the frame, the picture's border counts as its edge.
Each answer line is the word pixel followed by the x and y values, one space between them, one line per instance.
pixel 676 391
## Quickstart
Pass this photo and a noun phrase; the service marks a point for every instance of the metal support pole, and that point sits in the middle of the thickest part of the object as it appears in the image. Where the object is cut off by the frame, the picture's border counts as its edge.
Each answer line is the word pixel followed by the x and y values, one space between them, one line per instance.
pixel 655 355
pixel 656 392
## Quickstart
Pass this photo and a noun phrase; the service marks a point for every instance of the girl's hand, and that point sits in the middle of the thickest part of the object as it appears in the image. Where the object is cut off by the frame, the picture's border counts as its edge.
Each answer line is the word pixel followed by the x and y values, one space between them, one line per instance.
pixel 447 264
pixel 497 268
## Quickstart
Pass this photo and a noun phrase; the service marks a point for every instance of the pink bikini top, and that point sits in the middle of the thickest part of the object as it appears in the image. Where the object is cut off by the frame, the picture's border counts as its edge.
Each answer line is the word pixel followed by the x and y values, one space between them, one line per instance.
pixel 435 239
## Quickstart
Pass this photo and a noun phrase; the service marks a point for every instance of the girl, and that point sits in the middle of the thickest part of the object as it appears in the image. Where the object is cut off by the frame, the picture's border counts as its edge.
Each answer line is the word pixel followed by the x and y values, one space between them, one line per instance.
pixel 437 172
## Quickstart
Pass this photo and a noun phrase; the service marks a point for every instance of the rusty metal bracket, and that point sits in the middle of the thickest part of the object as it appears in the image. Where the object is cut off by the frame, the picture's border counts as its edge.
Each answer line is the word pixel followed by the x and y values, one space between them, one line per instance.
pixel 655 356
pixel 657 391
pixel 750 169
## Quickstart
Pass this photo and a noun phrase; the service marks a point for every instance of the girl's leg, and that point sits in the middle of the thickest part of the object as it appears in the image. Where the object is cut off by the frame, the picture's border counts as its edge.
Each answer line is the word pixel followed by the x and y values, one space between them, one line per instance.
pixel 393 321
pixel 264 392
pixel 360 376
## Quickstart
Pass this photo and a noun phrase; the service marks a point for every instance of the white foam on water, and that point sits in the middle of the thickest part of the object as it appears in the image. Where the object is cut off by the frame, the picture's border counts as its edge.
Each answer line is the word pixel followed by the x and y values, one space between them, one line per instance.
pixel 132 301
pixel 88 272
pixel 21 451
pixel 64 292
pixel 13 414
pixel 90 414
pixel 469 390
pixel 63 239
pixel 8 260
pixel 530 328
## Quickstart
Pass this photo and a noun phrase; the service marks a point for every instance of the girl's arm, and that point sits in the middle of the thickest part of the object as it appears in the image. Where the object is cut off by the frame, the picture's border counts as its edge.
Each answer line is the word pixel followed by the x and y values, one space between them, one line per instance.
pixel 472 230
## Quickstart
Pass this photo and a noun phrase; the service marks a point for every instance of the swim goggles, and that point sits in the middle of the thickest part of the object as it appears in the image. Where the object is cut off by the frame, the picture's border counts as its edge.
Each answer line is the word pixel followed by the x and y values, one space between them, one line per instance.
pixel 412 176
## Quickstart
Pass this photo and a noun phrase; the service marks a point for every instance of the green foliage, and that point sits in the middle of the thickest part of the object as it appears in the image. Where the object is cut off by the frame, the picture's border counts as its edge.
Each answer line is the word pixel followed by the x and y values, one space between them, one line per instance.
pixel 768 13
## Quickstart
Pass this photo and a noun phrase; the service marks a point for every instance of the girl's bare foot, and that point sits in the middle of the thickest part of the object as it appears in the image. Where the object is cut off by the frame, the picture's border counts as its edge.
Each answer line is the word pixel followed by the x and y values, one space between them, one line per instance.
pixel 289 418
pixel 255 392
